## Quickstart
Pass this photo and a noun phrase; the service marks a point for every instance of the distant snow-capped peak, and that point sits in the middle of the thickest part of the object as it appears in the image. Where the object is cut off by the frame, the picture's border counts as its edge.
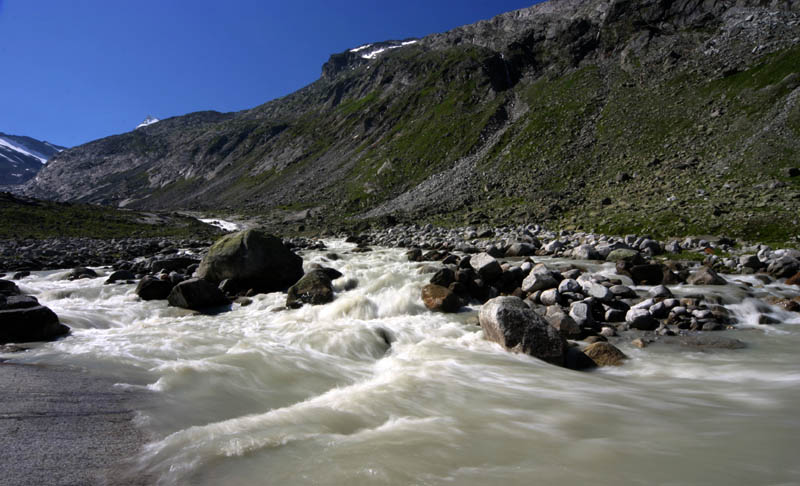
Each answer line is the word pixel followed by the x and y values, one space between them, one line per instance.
pixel 148 121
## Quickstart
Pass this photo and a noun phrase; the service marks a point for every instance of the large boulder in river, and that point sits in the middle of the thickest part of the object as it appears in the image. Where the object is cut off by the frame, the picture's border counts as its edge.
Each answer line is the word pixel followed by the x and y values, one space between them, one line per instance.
pixel 23 320
pixel 314 288
pixel 251 260
pixel 196 294
pixel 511 323
pixel 440 299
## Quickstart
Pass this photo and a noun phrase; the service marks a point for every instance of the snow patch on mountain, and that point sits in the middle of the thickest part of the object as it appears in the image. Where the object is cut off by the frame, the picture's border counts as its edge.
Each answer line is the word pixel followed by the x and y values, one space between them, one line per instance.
pixel 21 149
pixel 148 121
pixel 371 51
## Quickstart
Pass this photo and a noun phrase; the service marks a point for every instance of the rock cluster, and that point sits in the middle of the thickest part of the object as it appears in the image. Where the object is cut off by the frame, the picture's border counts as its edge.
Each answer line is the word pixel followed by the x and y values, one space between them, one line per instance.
pixel 238 265
pixel 87 252
pixel 478 265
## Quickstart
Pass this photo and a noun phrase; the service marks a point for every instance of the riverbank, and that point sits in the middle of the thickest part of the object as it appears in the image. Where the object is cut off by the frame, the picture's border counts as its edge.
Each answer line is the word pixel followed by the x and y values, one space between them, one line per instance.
pixel 67 426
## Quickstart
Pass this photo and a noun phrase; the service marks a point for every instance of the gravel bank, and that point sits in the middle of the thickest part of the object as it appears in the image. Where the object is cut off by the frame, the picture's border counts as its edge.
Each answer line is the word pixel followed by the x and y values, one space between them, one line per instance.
pixel 65 426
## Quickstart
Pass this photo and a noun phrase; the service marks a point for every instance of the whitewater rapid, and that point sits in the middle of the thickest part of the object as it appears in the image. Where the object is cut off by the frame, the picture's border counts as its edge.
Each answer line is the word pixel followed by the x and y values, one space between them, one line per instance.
pixel 374 389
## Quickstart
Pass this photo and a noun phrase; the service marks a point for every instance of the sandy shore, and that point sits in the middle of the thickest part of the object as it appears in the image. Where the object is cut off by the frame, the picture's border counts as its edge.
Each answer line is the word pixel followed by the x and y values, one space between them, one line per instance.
pixel 63 426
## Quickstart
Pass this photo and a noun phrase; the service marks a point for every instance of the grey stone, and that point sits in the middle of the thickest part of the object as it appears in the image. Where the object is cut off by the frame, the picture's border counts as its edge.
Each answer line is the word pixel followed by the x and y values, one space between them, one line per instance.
pixel 540 278
pixel 641 319
pixel 509 322
pixel 486 266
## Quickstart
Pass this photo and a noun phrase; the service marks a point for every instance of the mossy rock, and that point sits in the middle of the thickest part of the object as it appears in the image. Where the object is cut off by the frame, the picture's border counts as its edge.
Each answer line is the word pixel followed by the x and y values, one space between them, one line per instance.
pixel 253 260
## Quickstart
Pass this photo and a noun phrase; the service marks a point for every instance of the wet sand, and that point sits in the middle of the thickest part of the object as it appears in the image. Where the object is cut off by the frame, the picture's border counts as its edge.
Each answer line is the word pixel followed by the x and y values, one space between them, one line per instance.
pixel 65 426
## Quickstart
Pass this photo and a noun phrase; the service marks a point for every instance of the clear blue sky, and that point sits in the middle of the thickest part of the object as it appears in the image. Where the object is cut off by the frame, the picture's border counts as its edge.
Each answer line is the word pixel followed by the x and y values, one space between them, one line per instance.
pixel 78 70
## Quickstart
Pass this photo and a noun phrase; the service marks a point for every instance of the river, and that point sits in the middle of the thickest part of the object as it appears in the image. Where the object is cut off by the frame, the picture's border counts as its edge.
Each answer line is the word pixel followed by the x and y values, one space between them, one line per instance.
pixel 317 396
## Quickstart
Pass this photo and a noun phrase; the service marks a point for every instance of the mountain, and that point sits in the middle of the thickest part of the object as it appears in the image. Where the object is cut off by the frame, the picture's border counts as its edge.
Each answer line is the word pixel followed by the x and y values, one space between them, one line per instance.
pixel 659 116
pixel 149 120
pixel 21 158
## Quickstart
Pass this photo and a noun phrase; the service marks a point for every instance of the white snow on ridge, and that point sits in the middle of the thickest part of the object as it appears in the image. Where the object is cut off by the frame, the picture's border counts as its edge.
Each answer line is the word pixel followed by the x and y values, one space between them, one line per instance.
pixel 372 54
pixel 361 48
pixel 23 150
pixel 148 121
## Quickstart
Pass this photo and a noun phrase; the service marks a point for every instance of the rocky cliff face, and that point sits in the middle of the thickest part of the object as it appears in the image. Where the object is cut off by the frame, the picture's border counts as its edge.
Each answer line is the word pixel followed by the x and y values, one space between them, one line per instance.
pixel 623 115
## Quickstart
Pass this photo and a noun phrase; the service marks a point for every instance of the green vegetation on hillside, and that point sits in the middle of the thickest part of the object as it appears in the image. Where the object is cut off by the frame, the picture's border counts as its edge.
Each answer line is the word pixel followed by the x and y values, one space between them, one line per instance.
pixel 27 218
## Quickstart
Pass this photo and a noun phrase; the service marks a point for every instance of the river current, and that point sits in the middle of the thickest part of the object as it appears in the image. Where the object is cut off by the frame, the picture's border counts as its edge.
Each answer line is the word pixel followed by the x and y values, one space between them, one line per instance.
pixel 374 389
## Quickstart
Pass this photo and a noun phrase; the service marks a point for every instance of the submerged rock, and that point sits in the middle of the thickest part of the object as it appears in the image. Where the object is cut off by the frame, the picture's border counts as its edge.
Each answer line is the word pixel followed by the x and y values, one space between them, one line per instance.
pixel 252 260
pixel 605 354
pixel 314 288
pixel 119 276
pixel 511 323
pixel 81 272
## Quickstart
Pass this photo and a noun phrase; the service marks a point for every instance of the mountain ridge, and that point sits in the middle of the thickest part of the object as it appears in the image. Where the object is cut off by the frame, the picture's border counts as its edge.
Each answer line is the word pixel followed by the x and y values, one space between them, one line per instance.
pixel 22 157
pixel 578 113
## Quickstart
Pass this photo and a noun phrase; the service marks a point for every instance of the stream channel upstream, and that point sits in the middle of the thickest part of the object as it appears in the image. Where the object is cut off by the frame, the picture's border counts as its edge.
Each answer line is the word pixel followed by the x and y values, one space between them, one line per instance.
pixel 316 395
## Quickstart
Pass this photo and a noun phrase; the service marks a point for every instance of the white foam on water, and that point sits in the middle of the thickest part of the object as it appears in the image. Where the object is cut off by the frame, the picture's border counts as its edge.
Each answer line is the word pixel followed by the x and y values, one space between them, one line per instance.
pixel 373 388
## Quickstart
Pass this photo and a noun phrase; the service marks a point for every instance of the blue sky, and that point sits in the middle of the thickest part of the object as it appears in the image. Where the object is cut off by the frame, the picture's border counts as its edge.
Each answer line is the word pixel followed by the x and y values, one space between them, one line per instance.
pixel 78 70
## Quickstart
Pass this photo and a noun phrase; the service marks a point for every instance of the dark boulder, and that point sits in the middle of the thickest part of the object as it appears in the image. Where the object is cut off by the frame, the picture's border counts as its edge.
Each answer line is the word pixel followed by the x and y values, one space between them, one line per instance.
pixel 575 359
pixel 646 274
pixel 511 323
pixel 18 302
pixel 253 260
pixel 314 288
pixel 440 299
pixel 196 294
pixel 29 323
pixel 21 275
pixel 81 272
pixel 150 288
pixel 444 277
pixel 520 249
pixel 7 287
pixel 174 264
pixel 120 276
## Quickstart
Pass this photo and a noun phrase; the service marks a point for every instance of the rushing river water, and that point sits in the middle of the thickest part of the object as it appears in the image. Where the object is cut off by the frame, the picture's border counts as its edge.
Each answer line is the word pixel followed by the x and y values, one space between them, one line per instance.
pixel 316 395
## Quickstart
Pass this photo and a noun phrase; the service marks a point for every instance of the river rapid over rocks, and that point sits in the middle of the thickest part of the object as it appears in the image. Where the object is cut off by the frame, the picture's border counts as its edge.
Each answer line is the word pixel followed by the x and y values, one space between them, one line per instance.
pixel 372 388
